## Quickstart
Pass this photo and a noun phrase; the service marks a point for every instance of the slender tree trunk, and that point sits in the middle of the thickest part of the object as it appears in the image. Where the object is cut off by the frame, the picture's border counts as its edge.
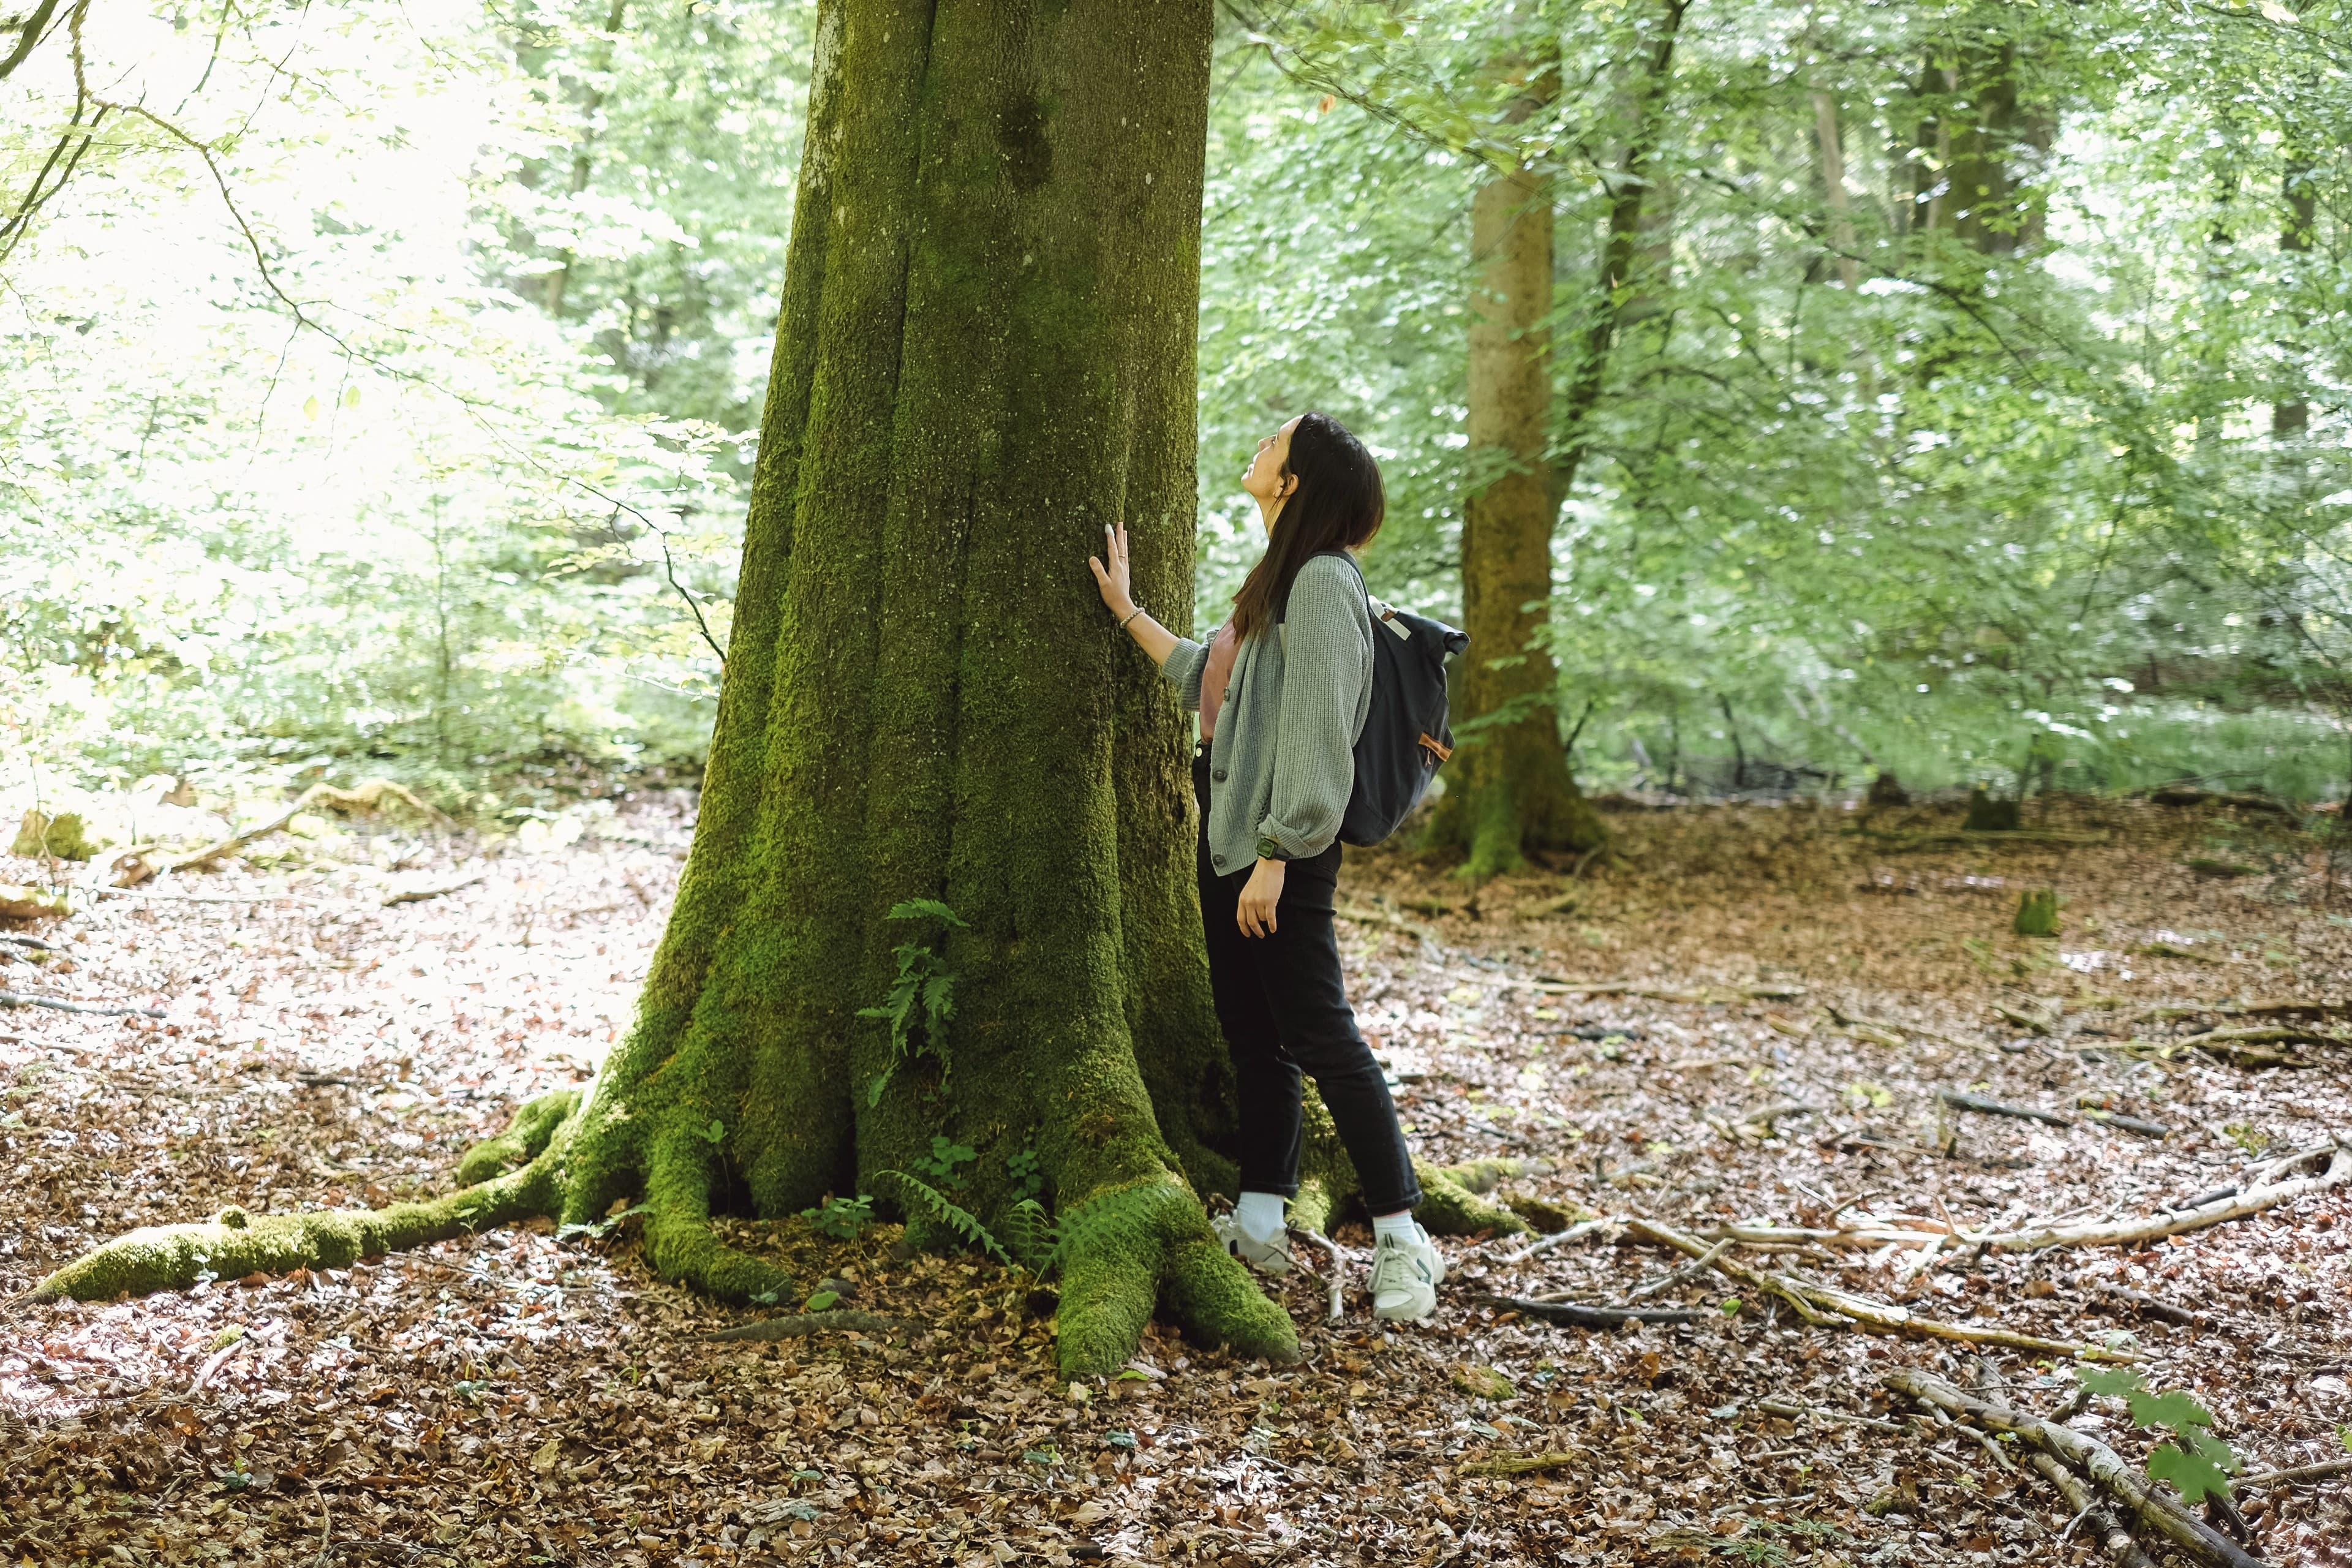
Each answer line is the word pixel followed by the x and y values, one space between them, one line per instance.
pixel 1841 203
pixel 1512 790
pixel 559 283
pixel 2290 410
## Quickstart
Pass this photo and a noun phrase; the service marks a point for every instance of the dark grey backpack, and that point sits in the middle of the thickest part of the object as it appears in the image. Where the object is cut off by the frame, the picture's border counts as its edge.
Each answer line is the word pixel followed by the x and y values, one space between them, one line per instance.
pixel 1406 735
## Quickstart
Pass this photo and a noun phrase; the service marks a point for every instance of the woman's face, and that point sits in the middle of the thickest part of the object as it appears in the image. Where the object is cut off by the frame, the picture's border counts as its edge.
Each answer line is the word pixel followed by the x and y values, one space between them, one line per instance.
pixel 1265 479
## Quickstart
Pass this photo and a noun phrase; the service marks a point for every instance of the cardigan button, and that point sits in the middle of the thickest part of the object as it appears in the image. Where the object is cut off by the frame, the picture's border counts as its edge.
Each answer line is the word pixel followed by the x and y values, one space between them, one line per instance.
pixel 1217 774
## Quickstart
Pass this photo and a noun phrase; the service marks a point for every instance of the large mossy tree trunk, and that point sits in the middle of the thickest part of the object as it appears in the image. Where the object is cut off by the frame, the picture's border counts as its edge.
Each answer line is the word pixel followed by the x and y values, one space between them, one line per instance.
pixel 985 351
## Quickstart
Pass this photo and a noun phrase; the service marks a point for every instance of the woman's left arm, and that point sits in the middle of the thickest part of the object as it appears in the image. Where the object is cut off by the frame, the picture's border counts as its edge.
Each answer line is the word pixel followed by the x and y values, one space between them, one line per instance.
pixel 1327 630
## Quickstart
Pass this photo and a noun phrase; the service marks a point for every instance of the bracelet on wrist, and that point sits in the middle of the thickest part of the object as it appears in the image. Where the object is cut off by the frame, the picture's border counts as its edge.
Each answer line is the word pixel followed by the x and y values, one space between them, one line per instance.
pixel 1128 616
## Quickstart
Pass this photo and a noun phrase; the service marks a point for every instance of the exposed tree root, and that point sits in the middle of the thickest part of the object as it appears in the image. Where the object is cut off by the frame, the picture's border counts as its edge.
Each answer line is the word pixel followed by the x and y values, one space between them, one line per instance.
pixel 534 1126
pixel 1149 1253
pixel 235 1243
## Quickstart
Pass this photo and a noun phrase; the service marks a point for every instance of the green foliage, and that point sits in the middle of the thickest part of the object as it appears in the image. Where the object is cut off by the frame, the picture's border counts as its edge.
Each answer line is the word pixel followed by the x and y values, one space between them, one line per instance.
pixel 924 985
pixel 942 1163
pixel 844 1219
pixel 2194 1461
pixel 821 1301
pixel 962 1222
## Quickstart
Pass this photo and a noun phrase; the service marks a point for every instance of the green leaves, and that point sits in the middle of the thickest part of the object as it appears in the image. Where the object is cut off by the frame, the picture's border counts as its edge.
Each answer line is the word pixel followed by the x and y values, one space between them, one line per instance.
pixel 2194 1461
pixel 962 1222
pixel 921 1001
pixel 821 1301
pixel 844 1219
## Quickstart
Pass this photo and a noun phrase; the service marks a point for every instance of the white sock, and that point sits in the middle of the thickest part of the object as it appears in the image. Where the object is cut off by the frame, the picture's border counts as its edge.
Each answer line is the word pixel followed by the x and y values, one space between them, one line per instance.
pixel 1399 1226
pixel 1260 1216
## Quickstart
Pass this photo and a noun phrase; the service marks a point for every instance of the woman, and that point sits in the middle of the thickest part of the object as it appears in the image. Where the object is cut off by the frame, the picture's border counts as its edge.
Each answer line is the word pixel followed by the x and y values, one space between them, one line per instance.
pixel 1282 688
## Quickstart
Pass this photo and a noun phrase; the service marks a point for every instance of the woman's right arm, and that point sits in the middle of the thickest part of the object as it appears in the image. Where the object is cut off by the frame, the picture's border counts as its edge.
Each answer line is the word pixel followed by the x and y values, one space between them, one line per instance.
pixel 1180 660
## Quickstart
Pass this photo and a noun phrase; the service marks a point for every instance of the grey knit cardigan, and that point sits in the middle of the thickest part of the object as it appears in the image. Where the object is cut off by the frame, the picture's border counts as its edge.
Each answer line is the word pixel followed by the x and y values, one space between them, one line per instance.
pixel 1282 761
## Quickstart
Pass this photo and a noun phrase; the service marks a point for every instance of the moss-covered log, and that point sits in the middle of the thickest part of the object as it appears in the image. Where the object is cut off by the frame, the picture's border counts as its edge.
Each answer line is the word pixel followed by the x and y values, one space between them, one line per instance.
pixel 983 354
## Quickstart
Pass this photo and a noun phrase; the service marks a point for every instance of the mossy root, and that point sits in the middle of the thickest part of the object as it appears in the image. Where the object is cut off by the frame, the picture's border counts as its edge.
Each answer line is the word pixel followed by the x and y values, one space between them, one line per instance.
pixel 525 1137
pixel 235 1244
pixel 1451 1207
pixel 1116 1272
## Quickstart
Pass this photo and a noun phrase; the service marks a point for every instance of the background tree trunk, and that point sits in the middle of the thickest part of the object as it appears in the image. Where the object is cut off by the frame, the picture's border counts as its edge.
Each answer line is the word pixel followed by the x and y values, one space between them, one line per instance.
pixel 1511 789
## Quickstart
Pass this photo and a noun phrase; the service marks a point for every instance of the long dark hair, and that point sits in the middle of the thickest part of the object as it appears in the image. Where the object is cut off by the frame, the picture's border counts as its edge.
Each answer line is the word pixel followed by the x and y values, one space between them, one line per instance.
pixel 1339 505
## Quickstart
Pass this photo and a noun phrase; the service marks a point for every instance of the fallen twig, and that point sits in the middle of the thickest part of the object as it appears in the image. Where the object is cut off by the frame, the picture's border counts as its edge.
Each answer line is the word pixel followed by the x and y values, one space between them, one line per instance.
pixel 2236 1010
pixel 1959 1101
pixel 1826 1306
pixel 19 999
pixel 204 897
pixel 791 1325
pixel 2298 1475
pixel 2148 1507
pixel 2149 1306
pixel 419 894
pixel 1853 1021
pixel 1338 1274
pixel 1559 1239
pixel 2101 1117
pixel 367 797
pixel 1792 1410
pixel 1575 1314
pixel 1681 1272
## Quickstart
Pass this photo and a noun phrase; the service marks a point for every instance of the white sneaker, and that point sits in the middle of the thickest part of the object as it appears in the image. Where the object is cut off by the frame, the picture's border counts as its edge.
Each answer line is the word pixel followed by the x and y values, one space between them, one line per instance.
pixel 1265 1256
pixel 1406 1271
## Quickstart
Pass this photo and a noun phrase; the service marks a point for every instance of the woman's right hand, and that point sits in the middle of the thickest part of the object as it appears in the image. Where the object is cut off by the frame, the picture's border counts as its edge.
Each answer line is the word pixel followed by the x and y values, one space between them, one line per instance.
pixel 1116 580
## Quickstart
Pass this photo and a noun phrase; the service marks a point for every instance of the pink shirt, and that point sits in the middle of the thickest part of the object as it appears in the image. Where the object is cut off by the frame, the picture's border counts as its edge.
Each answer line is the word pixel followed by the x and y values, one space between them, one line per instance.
pixel 1213 676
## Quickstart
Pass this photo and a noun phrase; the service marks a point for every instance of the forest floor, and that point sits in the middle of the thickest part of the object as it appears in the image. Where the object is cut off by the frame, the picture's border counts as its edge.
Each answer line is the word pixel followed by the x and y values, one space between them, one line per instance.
pixel 527 1397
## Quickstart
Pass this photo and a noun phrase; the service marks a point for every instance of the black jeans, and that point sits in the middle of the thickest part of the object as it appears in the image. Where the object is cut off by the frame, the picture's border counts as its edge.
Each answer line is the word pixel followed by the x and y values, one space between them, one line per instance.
pixel 1283 1004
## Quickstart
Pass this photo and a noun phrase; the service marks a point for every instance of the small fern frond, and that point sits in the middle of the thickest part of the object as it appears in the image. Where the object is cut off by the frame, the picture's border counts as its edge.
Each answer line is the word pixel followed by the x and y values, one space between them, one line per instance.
pixel 963 1222
pixel 1099 1217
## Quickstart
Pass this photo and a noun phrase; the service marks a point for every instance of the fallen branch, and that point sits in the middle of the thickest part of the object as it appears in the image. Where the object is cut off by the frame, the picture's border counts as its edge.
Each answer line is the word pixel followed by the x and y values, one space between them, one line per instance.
pixel 2266 1190
pixel 367 796
pixel 2298 1475
pixel 794 1325
pixel 1681 1272
pixel 2271 1035
pixel 1959 1101
pixel 1825 1306
pixel 18 999
pixel 206 898
pixel 2105 1526
pixel 1850 1022
pixel 2147 1507
pixel 1576 1315
pixel 419 894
